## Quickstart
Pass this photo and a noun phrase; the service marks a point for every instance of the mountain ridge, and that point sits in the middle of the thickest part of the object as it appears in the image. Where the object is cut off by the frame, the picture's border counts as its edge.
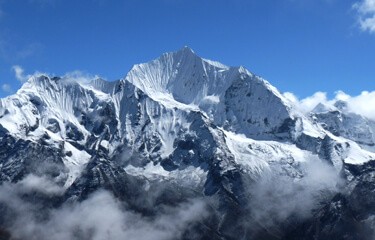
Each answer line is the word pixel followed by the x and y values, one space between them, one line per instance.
pixel 181 120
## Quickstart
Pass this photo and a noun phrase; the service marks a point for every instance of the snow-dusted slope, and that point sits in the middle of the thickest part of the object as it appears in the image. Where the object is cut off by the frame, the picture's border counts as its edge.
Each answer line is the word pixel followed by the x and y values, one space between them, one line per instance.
pixel 204 126
pixel 231 96
pixel 339 121
pixel 155 106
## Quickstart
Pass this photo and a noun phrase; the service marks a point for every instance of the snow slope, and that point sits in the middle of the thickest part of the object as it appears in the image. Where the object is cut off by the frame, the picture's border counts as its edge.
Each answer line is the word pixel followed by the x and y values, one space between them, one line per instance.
pixel 179 99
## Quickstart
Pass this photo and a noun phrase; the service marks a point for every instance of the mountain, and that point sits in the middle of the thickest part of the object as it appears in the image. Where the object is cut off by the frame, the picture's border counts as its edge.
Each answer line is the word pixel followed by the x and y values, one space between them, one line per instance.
pixel 183 132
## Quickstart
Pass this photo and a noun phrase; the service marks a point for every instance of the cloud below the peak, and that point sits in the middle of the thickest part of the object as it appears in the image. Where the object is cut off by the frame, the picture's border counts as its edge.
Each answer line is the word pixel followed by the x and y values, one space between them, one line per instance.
pixel 363 104
pixel 100 216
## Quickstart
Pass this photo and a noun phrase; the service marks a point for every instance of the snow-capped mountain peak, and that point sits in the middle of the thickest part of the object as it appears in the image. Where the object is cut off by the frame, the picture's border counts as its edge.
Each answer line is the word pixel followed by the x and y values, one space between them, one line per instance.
pixel 210 129
pixel 182 74
pixel 186 78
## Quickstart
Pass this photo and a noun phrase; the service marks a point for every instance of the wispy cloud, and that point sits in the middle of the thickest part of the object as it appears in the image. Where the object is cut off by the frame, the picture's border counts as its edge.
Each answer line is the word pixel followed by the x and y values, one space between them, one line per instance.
pixel 79 76
pixel 44 3
pixel 6 88
pixel 366 15
pixel 28 50
pixel 11 52
pixel 281 196
pixel 19 73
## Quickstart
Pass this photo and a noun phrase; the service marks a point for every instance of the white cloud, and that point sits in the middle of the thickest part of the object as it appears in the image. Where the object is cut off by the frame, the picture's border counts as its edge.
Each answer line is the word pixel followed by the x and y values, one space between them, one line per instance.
pixel 39 184
pixel 366 15
pixel 79 76
pixel 363 104
pixel 19 73
pixel 311 102
pixel 307 104
pixel 6 88
pixel 73 76
pixel 100 216
pixel 281 196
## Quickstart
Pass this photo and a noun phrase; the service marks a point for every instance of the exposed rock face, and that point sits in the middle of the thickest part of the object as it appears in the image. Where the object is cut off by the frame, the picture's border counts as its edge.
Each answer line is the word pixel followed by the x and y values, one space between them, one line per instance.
pixel 181 127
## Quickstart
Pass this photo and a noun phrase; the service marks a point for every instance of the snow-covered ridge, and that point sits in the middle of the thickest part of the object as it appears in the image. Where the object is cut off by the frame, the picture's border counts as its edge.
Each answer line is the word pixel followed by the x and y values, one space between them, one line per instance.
pixel 182 74
pixel 182 126
pixel 160 103
pixel 227 95
pixel 232 97
pixel 187 77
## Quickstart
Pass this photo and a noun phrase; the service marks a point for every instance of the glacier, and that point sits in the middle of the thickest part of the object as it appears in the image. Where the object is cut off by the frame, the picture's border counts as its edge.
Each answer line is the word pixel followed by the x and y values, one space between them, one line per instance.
pixel 183 120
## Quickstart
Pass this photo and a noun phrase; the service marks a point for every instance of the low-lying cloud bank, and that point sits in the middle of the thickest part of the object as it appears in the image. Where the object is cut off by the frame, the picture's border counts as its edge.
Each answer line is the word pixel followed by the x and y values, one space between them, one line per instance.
pixel 99 217
pixel 278 198
pixel 363 104
pixel 274 200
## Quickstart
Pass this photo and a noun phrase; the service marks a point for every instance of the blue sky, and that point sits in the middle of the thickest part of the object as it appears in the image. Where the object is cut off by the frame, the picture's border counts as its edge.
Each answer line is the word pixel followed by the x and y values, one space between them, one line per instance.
pixel 301 46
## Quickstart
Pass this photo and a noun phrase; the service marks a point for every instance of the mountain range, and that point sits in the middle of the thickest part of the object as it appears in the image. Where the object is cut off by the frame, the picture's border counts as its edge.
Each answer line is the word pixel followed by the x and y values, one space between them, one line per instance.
pixel 181 148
